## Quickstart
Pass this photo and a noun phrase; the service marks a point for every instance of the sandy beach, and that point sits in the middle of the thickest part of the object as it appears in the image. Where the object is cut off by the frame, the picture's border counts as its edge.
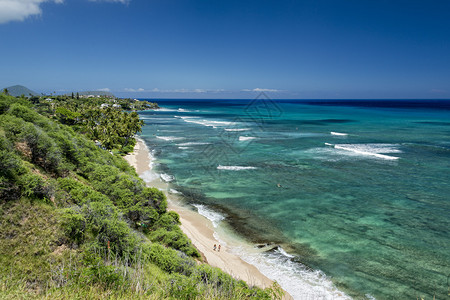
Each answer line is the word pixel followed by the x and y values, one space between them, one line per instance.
pixel 199 229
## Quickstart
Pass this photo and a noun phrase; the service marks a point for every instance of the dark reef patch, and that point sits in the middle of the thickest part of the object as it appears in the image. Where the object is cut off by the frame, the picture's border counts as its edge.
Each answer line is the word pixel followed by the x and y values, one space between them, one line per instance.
pixel 434 123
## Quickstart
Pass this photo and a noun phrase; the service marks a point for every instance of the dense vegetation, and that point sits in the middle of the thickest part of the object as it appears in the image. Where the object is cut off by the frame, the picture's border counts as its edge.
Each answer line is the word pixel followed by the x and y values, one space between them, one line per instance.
pixel 76 221
pixel 102 119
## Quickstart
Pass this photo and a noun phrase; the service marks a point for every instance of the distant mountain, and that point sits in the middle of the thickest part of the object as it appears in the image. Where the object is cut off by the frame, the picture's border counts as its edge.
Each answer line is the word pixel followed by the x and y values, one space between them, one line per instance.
pixel 18 90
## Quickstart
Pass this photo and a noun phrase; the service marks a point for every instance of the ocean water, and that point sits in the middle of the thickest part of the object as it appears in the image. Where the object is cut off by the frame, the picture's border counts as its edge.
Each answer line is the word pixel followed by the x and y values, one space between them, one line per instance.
pixel 336 199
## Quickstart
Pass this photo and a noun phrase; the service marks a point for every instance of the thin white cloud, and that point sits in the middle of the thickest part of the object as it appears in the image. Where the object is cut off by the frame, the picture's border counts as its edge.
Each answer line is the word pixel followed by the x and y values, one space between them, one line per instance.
pixel 19 10
pixel 199 91
pixel 185 91
pixel 180 91
pixel 134 90
pixel 218 91
pixel 104 90
pixel 156 90
pixel 261 90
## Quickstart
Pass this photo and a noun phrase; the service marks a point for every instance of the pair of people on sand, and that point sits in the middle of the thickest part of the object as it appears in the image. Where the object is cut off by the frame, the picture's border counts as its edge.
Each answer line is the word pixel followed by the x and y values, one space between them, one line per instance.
pixel 218 248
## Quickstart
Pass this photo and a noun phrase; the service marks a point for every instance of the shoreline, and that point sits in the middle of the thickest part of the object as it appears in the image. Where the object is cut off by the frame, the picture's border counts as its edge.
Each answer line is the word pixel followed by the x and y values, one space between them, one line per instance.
pixel 198 228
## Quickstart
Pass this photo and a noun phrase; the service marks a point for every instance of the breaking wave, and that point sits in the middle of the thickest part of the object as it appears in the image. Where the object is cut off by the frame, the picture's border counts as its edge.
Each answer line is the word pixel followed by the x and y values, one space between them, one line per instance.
pixel 235 168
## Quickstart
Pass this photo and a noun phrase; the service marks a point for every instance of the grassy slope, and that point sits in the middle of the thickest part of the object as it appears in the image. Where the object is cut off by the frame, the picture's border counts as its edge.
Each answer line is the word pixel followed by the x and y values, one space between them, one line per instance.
pixel 77 222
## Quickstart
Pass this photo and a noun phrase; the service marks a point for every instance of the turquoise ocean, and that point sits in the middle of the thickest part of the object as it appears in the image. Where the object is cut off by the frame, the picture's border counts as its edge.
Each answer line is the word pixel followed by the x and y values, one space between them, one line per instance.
pixel 335 199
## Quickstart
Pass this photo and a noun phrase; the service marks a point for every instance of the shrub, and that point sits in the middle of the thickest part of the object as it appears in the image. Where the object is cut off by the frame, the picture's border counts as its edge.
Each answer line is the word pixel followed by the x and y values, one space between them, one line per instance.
pixel 10 168
pixel 8 189
pixel 7 101
pixel 100 224
pixel 169 260
pixel 128 148
pixel 102 177
pixel 67 146
pixel 175 239
pixel 123 190
pixel 156 198
pixel 95 271
pixel 80 193
pixel 25 113
pixel 12 126
pixel 34 186
pixel 166 231
pixel 183 287
pixel 44 152
pixel 168 221
pixel 105 225
pixel 74 224
pixel 141 215
pixel 9 162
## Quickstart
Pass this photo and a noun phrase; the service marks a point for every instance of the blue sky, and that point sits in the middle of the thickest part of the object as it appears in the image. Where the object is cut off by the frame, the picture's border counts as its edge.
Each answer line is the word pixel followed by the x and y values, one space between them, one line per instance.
pixel 228 49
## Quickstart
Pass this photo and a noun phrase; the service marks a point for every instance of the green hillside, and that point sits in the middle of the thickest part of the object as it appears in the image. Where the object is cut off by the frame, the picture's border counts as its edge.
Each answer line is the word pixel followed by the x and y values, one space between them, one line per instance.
pixel 19 90
pixel 76 222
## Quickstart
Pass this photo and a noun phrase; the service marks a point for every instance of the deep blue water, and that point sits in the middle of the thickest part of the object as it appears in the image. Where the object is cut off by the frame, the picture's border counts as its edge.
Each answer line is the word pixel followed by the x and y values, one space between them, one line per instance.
pixel 357 189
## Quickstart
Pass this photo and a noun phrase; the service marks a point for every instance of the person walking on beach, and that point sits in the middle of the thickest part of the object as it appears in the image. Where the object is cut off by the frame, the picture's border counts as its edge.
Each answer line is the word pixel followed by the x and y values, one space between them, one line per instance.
pixel 214 248
pixel 218 249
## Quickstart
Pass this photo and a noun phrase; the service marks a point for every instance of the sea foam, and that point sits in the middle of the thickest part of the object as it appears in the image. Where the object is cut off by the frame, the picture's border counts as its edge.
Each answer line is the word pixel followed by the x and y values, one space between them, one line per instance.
pixel 149 176
pixel 374 150
pixel 165 109
pixel 211 215
pixel 298 280
pixel 170 138
pixel 339 151
pixel 338 133
pixel 281 250
pixel 185 117
pixel 246 138
pixel 235 168
pixel 192 144
pixel 173 191
pixel 208 123
pixel 166 177
pixel 237 129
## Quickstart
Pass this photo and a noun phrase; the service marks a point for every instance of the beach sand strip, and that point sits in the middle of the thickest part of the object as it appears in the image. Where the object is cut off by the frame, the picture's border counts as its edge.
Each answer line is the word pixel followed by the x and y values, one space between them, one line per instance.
pixel 200 230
